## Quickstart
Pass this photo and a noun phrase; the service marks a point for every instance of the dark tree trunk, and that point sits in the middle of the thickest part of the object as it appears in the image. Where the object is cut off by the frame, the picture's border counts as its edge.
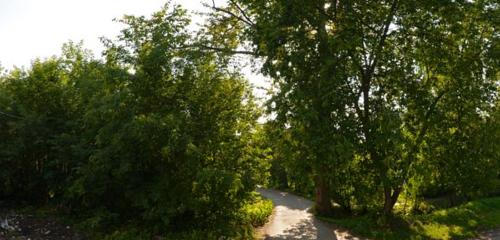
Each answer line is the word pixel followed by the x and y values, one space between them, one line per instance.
pixel 323 201
pixel 390 199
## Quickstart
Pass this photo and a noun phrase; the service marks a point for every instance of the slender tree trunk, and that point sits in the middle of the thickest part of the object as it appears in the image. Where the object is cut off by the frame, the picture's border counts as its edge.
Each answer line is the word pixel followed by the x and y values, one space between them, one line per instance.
pixel 388 205
pixel 390 199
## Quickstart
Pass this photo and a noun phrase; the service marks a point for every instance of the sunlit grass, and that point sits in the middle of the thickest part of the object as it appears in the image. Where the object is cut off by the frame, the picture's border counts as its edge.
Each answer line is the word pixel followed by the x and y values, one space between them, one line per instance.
pixel 464 221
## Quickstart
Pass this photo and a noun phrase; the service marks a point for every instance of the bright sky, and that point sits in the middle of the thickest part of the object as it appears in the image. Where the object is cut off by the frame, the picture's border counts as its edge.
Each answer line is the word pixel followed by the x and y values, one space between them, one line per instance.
pixel 38 28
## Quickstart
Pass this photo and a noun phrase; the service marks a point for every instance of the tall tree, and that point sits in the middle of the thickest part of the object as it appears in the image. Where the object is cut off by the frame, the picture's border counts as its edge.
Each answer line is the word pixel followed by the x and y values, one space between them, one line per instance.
pixel 361 82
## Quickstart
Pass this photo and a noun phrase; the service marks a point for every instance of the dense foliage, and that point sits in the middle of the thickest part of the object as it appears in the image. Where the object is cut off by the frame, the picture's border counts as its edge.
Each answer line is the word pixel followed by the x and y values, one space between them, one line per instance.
pixel 378 98
pixel 374 101
pixel 157 135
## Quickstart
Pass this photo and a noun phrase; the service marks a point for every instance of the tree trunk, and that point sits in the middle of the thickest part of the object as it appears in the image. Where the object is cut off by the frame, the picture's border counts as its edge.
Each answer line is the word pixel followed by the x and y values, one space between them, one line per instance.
pixel 390 199
pixel 323 203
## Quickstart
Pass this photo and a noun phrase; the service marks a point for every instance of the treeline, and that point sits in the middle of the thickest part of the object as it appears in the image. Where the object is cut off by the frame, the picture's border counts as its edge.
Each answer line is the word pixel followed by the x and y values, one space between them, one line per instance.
pixel 157 136
pixel 378 99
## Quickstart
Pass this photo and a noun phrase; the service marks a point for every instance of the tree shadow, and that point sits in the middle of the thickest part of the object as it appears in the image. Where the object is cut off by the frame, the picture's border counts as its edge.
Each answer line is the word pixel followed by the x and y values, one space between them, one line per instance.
pixel 280 198
pixel 306 230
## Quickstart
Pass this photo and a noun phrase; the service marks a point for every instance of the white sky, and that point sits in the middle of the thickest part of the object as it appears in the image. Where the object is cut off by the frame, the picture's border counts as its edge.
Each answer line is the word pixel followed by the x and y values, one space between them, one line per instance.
pixel 32 29
pixel 38 28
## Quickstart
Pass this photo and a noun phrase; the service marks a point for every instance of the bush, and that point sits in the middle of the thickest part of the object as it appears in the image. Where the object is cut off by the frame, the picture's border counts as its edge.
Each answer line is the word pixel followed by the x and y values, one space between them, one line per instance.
pixel 158 136
pixel 257 212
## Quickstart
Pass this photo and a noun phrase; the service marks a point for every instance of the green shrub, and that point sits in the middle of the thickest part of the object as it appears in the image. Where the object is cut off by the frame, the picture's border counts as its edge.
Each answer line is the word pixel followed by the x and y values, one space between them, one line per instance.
pixel 155 136
pixel 257 211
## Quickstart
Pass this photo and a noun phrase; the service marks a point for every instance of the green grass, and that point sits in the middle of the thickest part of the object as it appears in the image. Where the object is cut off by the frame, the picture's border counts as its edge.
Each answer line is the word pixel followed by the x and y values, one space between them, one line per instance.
pixel 459 222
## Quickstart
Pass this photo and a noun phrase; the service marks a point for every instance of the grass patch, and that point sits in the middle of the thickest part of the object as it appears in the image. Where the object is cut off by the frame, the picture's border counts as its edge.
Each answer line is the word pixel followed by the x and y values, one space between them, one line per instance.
pixel 459 222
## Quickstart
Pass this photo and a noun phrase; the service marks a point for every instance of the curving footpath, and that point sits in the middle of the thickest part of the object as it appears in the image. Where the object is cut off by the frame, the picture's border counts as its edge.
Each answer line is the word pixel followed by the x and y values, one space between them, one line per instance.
pixel 291 219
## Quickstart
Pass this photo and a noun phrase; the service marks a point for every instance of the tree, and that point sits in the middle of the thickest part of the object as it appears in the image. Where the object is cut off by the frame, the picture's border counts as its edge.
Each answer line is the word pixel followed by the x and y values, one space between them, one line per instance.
pixel 361 83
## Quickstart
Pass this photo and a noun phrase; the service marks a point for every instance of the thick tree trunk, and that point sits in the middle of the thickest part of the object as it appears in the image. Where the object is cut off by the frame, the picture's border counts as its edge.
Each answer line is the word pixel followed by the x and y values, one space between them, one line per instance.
pixel 323 201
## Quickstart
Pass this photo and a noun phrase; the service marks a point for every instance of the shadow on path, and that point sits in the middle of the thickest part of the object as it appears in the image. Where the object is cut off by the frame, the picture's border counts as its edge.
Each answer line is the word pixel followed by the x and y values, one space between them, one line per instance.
pixel 291 219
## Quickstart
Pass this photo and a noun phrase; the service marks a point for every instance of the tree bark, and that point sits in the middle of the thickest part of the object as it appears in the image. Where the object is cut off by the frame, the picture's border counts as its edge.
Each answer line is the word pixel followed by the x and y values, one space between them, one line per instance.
pixel 323 201
pixel 390 199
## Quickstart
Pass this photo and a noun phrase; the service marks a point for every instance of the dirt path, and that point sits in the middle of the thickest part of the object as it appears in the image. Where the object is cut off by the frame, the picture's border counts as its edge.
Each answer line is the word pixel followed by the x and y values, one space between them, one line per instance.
pixel 291 220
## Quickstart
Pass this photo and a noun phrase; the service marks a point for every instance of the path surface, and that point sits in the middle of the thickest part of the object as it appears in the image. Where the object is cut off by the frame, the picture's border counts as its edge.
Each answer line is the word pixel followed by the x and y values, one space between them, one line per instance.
pixel 493 234
pixel 291 219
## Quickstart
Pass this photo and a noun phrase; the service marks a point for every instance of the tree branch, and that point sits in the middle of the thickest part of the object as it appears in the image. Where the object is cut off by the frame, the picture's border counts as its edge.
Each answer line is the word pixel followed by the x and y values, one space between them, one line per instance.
pixel 421 134
pixel 245 15
pixel 383 37
pixel 225 50
pixel 356 105
pixel 214 7
pixel 368 74
pixel 431 108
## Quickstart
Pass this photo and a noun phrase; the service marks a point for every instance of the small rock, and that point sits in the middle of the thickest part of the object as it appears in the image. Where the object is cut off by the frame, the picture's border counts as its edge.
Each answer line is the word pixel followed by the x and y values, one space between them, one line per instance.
pixel 47 232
